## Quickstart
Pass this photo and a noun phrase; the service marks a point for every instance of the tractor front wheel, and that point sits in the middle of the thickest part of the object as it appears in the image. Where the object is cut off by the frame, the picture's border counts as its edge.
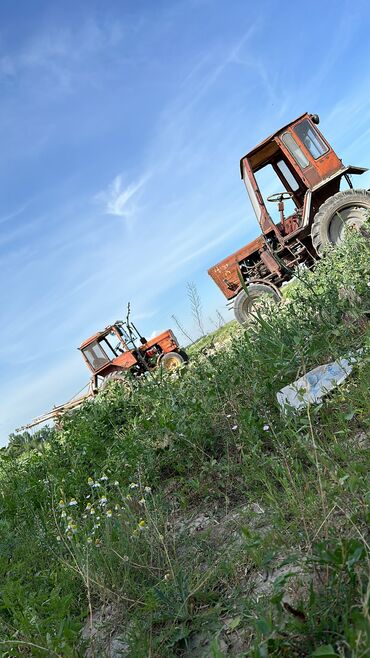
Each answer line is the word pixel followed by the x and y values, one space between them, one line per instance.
pixel 172 361
pixel 120 376
pixel 344 209
pixel 246 303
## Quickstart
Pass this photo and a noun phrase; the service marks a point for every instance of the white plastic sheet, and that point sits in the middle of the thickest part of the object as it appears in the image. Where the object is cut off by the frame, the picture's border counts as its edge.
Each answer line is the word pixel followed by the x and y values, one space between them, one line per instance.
pixel 312 387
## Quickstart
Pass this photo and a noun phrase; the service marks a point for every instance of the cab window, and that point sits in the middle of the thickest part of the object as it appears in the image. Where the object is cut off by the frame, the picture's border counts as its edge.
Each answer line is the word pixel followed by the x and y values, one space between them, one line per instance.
pixel 295 150
pixel 283 167
pixel 95 355
pixel 311 140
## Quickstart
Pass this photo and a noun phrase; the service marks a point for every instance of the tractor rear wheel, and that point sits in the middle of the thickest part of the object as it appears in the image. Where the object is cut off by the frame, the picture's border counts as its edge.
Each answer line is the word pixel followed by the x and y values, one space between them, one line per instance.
pixel 344 209
pixel 172 361
pixel 247 303
pixel 184 355
pixel 120 376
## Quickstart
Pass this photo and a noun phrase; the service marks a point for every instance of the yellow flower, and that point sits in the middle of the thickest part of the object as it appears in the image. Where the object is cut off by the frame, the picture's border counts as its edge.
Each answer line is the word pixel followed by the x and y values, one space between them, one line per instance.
pixel 141 523
pixel 61 503
pixel 90 482
pixel 109 513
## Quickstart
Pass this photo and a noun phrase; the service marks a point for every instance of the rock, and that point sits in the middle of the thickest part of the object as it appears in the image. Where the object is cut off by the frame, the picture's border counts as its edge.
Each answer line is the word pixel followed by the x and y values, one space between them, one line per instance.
pixel 102 638
pixel 361 440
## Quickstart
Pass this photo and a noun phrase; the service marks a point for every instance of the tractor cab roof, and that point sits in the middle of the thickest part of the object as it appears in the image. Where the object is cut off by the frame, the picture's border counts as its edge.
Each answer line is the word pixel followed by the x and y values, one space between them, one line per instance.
pixel 266 149
pixel 97 336
pixel 126 332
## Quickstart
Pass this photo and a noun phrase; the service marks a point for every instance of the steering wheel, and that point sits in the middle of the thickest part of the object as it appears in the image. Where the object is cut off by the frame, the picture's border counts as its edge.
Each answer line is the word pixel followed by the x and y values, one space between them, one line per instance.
pixel 279 196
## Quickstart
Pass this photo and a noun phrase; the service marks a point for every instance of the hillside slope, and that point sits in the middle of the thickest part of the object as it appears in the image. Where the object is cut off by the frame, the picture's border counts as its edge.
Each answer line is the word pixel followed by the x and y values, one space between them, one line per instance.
pixel 194 518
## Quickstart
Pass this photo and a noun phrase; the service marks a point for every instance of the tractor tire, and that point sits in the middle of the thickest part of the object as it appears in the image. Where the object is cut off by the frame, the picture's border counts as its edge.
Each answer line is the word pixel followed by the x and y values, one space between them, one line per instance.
pixel 120 376
pixel 184 356
pixel 245 304
pixel 348 208
pixel 171 361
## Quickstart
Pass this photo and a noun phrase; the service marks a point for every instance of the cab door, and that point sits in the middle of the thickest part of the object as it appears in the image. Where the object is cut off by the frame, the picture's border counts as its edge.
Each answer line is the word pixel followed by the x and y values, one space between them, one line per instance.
pixel 310 154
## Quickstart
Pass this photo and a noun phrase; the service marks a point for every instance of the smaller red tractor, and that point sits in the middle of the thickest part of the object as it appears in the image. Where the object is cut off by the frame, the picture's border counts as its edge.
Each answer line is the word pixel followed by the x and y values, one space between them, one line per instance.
pixel 119 353
pixel 298 160
pixel 120 350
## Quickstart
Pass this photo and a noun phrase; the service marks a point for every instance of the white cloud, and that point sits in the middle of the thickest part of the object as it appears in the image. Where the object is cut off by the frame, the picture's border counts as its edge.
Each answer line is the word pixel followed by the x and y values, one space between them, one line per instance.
pixel 117 200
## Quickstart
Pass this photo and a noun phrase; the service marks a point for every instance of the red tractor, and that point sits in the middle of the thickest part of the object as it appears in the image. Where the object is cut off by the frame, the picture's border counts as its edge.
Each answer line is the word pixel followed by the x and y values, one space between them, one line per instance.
pixel 119 353
pixel 120 349
pixel 311 175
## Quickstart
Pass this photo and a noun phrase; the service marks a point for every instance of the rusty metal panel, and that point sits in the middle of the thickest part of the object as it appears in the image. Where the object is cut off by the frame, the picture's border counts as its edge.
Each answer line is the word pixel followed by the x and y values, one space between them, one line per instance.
pixel 225 273
pixel 125 360
pixel 166 340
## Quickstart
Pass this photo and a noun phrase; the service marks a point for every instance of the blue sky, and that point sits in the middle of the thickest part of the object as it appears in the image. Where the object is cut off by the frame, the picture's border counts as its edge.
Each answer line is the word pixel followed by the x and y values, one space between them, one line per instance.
pixel 122 124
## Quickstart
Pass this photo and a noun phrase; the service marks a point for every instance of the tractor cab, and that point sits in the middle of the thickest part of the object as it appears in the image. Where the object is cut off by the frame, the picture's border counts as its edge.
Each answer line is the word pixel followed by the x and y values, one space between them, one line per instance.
pixel 116 344
pixel 298 160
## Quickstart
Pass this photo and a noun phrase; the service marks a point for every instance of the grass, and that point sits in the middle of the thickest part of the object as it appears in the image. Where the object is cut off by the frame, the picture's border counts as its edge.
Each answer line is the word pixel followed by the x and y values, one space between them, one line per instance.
pixel 214 339
pixel 201 519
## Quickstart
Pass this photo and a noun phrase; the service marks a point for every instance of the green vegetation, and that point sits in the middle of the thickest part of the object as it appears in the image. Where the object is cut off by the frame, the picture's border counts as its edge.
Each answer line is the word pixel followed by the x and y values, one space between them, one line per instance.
pixel 201 519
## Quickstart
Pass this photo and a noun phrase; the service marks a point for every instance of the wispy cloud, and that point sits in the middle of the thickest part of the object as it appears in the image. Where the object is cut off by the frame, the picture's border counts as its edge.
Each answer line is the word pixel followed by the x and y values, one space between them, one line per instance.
pixel 118 200
pixel 15 213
